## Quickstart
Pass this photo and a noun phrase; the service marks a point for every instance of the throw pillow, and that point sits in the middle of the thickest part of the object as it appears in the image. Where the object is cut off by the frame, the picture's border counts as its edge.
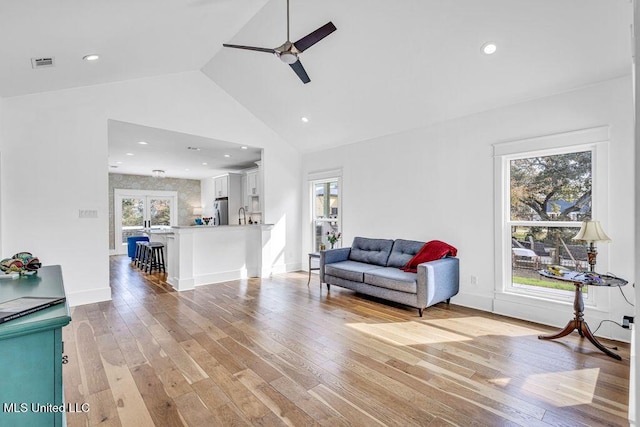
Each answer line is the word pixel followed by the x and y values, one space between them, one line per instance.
pixel 431 251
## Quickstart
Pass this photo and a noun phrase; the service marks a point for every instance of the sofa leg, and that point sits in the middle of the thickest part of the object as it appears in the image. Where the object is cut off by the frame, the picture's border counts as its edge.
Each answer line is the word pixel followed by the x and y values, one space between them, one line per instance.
pixel 448 300
pixel 420 312
pixel 328 287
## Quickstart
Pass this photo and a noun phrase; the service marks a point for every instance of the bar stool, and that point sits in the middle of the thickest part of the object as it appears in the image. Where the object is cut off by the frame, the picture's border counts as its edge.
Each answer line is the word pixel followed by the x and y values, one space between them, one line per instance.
pixel 141 251
pixel 154 257
pixel 132 246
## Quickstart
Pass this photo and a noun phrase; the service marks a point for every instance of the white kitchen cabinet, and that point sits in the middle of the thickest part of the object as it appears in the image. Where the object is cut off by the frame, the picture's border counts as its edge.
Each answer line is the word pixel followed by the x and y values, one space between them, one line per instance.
pixel 252 191
pixel 253 181
pixel 221 186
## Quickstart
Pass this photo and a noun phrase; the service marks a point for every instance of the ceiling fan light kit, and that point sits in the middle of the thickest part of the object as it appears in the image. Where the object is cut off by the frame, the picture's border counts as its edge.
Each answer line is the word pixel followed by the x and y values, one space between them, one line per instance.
pixel 289 52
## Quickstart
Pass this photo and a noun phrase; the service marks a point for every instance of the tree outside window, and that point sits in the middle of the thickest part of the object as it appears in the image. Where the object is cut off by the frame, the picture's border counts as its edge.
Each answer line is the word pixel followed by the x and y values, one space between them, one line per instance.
pixel 549 198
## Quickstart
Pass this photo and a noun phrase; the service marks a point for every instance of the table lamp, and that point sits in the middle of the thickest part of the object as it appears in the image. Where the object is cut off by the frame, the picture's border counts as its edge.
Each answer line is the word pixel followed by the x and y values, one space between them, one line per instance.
pixel 591 232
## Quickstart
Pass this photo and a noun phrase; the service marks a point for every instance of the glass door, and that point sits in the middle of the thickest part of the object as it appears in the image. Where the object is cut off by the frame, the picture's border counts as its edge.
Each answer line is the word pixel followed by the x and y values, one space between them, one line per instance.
pixel 137 212
pixel 325 196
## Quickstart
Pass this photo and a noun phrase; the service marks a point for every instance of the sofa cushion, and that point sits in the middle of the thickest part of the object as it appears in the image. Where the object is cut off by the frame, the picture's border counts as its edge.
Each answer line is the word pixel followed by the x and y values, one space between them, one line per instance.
pixel 392 278
pixel 349 270
pixel 371 251
pixel 402 252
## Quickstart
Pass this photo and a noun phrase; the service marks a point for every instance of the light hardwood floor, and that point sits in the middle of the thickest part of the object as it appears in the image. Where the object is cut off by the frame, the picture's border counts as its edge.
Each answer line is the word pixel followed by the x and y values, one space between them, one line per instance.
pixel 274 352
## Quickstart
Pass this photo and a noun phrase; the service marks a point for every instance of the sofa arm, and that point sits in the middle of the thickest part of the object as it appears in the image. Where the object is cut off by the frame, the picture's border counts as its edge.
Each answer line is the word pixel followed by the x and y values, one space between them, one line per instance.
pixel 330 256
pixel 438 280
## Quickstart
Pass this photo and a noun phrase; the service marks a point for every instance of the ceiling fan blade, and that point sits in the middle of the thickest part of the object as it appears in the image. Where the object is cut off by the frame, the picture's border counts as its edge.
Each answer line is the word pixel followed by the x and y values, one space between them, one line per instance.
pixel 299 69
pixel 312 38
pixel 259 49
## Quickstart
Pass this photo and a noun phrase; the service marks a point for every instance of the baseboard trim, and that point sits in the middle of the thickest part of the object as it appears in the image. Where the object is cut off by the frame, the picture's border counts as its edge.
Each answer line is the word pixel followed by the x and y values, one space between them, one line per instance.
pixel 89 296
pixel 557 314
pixel 479 302
pixel 226 276
pixel 286 268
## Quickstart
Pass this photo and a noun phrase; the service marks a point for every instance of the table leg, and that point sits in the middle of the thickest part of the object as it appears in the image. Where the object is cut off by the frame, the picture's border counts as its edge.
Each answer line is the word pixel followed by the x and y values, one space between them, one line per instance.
pixel 584 328
pixel 571 326
pixel 578 323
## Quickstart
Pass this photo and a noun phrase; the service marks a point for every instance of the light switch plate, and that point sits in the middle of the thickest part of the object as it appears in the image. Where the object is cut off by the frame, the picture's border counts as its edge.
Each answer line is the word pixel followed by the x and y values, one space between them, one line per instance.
pixel 87 213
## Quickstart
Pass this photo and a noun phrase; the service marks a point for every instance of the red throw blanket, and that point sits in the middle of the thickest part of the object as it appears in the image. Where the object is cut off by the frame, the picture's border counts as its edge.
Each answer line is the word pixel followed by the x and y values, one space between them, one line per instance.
pixel 431 251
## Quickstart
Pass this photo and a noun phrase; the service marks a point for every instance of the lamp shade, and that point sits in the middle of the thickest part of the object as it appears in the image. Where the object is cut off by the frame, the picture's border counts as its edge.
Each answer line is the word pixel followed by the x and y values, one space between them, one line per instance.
pixel 197 211
pixel 591 231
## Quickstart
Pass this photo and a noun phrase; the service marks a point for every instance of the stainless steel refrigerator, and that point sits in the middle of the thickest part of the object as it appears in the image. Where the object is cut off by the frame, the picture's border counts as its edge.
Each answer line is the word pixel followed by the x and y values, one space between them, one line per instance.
pixel 221 211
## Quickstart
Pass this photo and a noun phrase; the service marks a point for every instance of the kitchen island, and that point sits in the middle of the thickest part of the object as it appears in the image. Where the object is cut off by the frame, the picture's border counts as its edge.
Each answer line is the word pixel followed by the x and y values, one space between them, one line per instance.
pixel 198 255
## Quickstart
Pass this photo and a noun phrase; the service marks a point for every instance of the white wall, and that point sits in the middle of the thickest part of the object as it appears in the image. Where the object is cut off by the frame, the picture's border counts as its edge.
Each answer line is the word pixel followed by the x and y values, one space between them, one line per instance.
pixel 54 162
pixel 437 183
pixel 634 396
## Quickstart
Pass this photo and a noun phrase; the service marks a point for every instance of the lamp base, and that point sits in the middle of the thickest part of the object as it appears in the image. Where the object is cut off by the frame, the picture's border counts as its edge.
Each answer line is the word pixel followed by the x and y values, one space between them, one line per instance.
pixel 592 254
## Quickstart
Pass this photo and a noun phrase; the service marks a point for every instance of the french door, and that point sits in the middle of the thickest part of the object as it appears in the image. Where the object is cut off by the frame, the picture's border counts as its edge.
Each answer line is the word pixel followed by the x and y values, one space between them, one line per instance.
pixel 326 212
pixel 137 211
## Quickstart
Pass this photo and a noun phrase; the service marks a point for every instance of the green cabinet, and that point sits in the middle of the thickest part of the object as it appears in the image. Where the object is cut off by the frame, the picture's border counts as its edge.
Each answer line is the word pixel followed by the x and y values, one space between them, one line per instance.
pixel 31 353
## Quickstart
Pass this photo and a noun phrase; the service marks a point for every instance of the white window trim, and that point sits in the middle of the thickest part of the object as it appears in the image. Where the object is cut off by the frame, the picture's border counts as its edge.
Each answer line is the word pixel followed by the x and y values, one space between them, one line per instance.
pixel 322 178
pixel 532 306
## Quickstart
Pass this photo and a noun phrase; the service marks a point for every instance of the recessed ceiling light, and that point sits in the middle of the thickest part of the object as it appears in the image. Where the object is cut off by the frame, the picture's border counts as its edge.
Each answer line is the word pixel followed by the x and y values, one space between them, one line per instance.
pixel 204 163
pixel 304 119
pixel 489 48
pixel 91 57
pixel 244 147
pixel 129 154
pixel 227 155
pixel 119 163
pixel 187 170
pixel 143 142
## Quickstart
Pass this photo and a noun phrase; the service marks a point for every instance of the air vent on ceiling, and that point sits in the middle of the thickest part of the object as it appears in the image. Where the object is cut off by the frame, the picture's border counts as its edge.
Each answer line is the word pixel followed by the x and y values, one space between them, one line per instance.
pixel 42 62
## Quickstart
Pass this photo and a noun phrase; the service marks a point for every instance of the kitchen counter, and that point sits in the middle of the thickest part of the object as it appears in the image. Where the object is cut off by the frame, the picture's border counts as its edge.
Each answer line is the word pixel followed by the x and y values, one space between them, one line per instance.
pixel 204 254
pixel 213 227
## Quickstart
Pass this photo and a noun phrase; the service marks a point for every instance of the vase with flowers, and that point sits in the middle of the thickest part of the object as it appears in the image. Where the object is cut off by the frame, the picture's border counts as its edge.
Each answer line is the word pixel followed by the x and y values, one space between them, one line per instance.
pixel 333 237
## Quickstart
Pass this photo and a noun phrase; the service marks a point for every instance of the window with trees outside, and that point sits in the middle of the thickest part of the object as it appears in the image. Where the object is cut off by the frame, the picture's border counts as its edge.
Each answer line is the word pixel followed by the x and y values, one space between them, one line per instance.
pixel 325 196
pixel 550 194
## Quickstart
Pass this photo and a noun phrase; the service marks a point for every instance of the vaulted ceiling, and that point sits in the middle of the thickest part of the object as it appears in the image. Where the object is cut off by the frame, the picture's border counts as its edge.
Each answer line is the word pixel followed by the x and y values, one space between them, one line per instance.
pixel 390 66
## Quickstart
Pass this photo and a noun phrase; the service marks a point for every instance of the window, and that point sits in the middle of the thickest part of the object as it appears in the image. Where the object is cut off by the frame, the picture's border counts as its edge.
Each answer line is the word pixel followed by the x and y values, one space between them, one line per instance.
pixel 550 195
pixel 325 197
pixel 547 190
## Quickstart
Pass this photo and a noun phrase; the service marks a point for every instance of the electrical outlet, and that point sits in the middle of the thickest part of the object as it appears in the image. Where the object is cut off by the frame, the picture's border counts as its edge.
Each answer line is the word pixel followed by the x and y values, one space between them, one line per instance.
pixel 474 280
pixel 626 321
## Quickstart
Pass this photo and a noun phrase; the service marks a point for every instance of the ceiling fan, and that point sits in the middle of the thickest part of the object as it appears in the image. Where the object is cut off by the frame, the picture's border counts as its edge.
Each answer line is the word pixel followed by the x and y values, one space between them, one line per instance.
pixel 288 52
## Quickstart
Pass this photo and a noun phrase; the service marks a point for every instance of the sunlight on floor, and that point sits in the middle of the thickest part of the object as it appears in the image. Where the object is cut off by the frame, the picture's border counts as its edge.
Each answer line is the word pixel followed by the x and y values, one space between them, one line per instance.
pixel 408 333
pixel 565 388
pixel 479 326
pixel 441 330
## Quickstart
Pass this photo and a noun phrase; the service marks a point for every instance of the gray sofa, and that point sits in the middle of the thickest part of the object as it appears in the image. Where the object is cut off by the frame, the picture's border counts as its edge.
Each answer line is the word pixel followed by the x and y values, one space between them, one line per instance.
pixel 373 267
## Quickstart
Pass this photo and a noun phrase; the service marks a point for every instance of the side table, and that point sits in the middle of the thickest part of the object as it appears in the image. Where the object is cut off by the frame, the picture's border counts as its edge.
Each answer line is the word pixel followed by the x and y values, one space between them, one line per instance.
pixel 313 255
pixel 578 322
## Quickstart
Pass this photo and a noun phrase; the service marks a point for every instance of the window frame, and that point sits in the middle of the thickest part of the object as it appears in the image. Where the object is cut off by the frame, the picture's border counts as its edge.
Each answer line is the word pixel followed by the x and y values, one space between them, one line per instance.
pixel 313 219
pixel 594 140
